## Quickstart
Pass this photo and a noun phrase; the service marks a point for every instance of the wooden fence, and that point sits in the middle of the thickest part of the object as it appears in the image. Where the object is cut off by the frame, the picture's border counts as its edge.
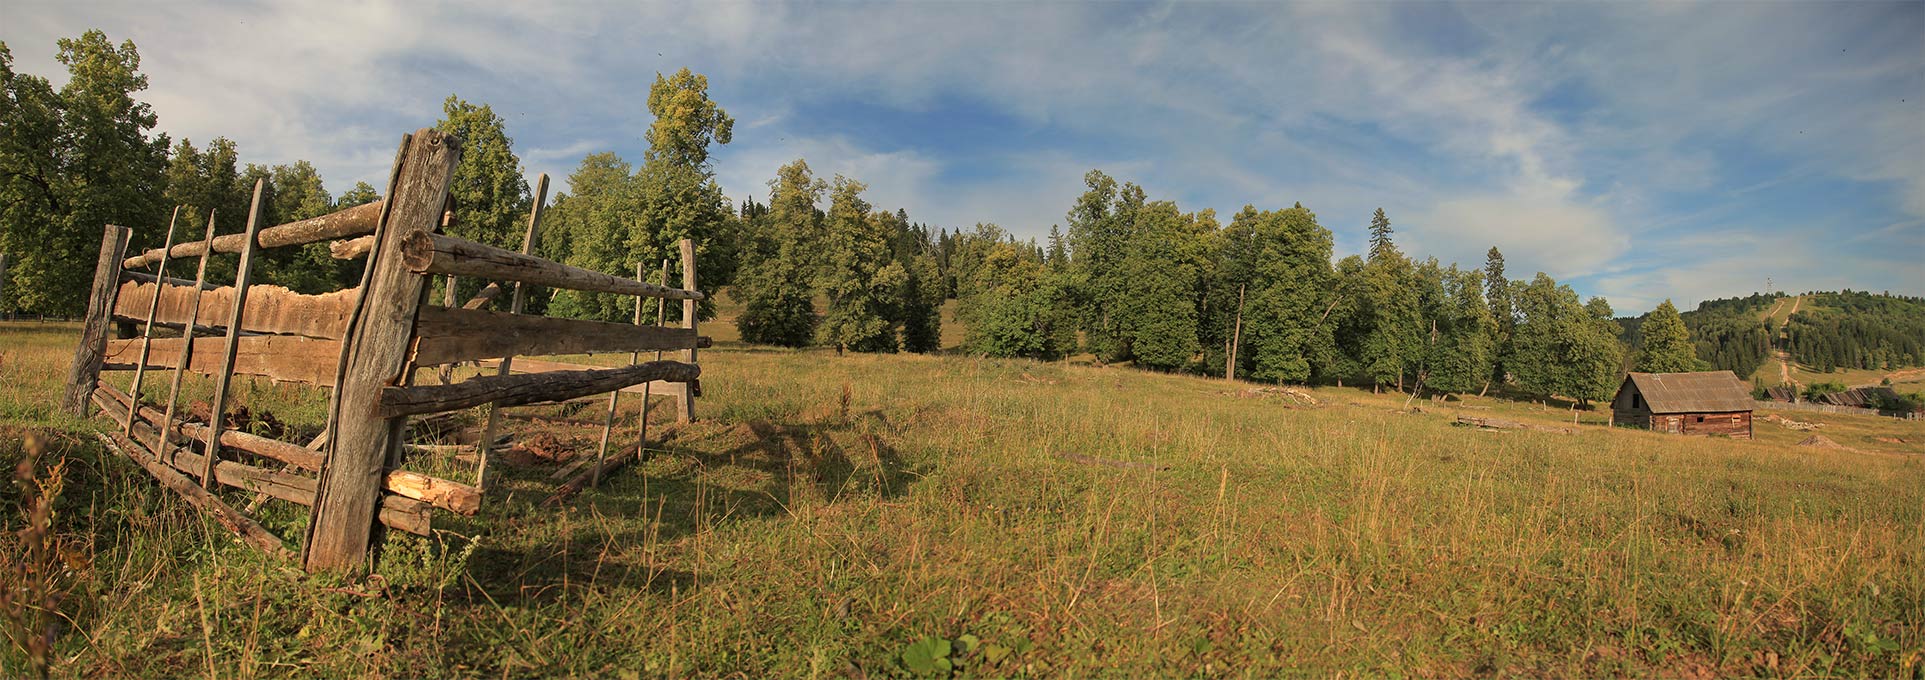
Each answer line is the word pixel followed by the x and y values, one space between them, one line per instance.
pixel 1833 408
pixel 365 343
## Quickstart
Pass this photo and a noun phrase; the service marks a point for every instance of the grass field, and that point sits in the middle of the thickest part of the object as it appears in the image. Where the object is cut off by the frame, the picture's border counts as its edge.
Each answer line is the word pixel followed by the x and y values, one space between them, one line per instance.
pixel 935 515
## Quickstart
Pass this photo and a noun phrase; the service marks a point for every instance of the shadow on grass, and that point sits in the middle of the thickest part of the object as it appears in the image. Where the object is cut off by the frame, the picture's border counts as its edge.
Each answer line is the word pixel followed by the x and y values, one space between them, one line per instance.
pixel 705 476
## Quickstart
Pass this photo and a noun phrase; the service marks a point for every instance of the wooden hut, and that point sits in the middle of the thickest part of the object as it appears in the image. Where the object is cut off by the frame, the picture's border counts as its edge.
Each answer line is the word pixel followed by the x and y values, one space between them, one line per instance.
pixel 1711 402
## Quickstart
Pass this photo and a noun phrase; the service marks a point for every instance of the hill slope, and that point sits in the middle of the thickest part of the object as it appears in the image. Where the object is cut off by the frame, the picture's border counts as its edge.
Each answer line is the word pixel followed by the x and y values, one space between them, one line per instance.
pixel 867 515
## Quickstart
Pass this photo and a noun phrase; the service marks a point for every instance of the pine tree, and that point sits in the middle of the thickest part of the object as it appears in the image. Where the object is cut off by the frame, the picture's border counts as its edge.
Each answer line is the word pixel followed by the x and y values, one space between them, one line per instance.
pixel 1667 344
pixel 1380 243
pixel 777 279
pixel 858 278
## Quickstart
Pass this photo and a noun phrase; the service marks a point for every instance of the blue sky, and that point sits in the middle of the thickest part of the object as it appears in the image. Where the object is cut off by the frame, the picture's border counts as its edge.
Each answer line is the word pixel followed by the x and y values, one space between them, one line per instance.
pixel 1636 151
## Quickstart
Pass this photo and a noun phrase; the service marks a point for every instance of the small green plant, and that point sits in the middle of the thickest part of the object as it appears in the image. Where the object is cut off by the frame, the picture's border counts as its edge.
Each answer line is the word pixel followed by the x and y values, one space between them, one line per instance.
pixel 928 656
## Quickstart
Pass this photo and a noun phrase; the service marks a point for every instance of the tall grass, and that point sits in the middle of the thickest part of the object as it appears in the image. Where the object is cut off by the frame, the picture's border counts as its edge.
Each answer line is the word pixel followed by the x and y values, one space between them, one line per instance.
pixel 911 515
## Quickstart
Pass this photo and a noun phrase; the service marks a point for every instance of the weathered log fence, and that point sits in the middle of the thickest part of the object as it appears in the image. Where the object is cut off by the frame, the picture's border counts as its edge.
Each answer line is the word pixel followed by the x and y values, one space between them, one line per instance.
pixel 366 344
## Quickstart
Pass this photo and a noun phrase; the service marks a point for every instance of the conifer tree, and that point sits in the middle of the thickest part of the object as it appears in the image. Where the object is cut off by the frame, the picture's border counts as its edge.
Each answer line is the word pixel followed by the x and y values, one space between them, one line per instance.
pixel 776 283
pixel 858 277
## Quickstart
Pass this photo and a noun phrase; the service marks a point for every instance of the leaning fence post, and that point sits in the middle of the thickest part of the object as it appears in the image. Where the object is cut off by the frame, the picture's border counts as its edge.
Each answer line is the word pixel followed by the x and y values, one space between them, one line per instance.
pixel 341 527
pixel 147 333
pixel 100 312
pixel 485 448
pixel 687 400
pixel 243 275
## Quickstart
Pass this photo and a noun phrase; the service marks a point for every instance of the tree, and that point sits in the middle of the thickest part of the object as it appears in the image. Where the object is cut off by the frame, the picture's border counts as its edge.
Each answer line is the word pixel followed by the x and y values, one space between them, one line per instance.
pixel 1564 347
pixel 779 262
pixel 858 277
pixel 1013 304
pixel 590 228
pixel 1666 346
pixel 1380 243
pixel 1465 342
pixel 1393 346
pixel 490 194
pixel 72 162
pixel 1498 295
pixel 1280 261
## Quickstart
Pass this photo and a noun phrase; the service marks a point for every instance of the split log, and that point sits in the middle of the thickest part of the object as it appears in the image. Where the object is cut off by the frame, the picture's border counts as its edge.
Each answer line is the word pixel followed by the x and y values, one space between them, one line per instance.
pixel 1501 424
pixel 519 390
pixel 243 278
pixel 587 476
pixel 431 253
pixel 144 277
pixel 353 221
pixel 351 249
pixel 269 309
pixel 249 530
pixel 659 388
pixel 89 354
pixel 685 402
pixel 283 358
pixel 452 335
pixel 488 292
pixel 454 497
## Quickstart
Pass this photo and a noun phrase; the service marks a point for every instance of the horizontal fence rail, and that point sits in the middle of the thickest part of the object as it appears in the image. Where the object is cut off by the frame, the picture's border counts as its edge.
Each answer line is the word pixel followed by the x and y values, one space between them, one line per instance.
pixel 353 221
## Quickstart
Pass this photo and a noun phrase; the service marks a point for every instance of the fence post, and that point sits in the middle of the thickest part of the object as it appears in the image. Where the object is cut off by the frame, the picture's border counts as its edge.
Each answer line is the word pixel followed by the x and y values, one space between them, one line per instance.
pixel 243 276
pixel 100 313
pixel 341 527
pixel 486 446
pixel 687 398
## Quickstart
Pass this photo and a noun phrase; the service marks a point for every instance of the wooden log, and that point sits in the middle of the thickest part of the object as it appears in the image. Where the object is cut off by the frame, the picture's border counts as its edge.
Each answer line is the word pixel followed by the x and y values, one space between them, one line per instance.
pixel 528 239
pixel 145 277
pixel 347 499
pixel 659 388
pixel 243 277
pixel 147 330
pixel 1501 424
pixel 350 249
pixel 283 358
pixel 353 221
pixel 686 400
pixel 430 253
pixel 451 496
pixel 452 335
pixel 488 293
pixel 517 390
pixel 269 309
pixel 249 530
pixel 88 355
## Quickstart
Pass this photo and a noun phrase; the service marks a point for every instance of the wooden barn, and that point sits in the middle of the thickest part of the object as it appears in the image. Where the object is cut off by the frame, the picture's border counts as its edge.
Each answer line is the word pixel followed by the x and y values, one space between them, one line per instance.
pixel 1711 402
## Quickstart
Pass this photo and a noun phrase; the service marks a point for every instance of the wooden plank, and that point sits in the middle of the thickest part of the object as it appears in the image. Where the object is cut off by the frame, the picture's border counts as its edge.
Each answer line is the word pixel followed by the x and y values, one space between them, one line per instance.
pixel 451 335
pixel 430 253
pixel 249 530
pixel 147 329
pixel 451 496
pixel 347 498
pixel 269 309
pixel 493 419
pixel 185 355
pixel 686 400
pixel 658 387
pixel 517 390
pixel 353 221
pixel 85 370
pixel 284 358
pixel 243 276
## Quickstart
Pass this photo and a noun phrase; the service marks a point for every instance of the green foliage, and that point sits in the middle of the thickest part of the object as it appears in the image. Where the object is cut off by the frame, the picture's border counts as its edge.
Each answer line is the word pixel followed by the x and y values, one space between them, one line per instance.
pixel 1463 348
pixel 1392 345
pixel 490 194
pixel 1012 303
pixel 71 162
pixel 1667 344
pixel 1858 330
pixel 858 277
pixel 779 260
pixel 928 656
pixel 1562 347
pixel 686 120
pixel 1137 268
pixel 1278 261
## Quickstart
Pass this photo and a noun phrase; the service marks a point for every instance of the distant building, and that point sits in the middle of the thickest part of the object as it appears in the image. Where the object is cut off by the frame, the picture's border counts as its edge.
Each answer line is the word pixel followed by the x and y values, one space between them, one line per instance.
pixel 1858 397
pixel 1712 402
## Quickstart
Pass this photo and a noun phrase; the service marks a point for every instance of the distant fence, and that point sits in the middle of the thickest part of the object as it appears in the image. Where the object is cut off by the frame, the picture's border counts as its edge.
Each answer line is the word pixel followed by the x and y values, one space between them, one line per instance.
pixel 366 344
pixel 1841 410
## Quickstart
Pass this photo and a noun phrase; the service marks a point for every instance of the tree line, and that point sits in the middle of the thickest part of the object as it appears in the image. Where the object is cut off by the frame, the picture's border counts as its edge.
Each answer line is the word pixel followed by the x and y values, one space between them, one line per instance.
pixel 1129 280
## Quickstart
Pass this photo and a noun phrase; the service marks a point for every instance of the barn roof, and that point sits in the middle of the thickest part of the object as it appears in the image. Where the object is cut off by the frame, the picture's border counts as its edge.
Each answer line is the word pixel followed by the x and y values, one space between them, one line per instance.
pixel 1706 392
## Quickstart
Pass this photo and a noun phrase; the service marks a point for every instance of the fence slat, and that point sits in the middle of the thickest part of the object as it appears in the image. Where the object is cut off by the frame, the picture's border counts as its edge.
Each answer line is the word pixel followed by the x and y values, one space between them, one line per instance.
pixel 442 254
pixel 243 275
pixel 353 221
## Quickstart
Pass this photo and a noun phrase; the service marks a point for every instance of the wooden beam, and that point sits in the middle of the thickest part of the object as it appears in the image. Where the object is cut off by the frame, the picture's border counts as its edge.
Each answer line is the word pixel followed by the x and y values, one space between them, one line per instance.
pixel 430 253
pixel 451 496
pixel 347 498
pixel 185 355
pixel 660 387
pixel 269 309
pixel 490 421
pixel 283 358
pixel 351 249
pixel 353 221
pixel 243 276
pixel 145 277
pixel 88 356
pixel 451 335
pixel 147 330
pixel 517 390
pixel 686 400
pixel 249 530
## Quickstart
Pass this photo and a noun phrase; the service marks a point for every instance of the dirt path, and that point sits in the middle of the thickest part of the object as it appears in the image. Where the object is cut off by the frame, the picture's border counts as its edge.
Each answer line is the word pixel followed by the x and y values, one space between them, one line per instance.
pixel 1784 358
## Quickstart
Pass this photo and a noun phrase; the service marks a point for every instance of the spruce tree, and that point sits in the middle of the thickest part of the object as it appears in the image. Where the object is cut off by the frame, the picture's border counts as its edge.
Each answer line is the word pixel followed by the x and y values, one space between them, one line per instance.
pixel 858 277
pixel 776 283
